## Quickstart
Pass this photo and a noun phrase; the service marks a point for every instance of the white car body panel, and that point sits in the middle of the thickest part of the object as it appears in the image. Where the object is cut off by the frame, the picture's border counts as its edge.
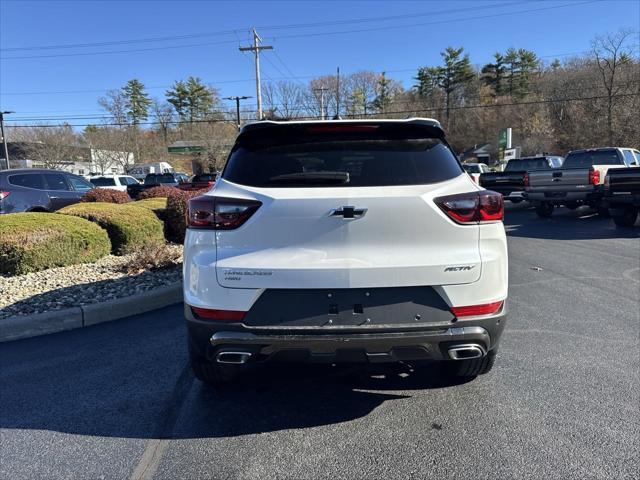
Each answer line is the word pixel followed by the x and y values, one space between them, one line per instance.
pixel 292 241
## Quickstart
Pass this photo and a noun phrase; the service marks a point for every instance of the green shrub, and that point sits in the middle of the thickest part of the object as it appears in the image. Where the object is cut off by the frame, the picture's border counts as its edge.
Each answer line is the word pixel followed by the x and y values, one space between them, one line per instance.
pixel 30 242
pixel 128 226
pixel 159 191
pixel 175 221
pixel 157 205
pixel 107 195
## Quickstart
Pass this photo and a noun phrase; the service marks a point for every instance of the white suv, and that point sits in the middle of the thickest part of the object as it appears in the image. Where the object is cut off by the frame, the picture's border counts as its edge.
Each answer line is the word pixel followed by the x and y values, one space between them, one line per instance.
pixel 344 241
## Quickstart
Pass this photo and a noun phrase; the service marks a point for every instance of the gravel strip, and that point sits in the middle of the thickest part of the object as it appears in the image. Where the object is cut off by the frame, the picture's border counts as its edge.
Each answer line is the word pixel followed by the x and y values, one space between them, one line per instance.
pixel 77 285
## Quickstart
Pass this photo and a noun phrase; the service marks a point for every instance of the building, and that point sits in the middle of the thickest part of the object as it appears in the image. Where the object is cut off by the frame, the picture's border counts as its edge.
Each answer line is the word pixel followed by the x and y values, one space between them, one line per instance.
pixel 80 159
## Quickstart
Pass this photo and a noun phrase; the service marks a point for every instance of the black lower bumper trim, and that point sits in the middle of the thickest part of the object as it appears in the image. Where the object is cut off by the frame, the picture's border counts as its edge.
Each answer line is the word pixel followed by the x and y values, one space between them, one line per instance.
pixel 375 347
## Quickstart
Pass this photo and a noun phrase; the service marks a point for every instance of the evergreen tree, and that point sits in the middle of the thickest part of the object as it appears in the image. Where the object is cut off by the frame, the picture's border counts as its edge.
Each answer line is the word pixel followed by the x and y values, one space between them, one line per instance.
pixel 136 101
pixel 192 100
pixel 383 97
pixel 454 74
pixel 493 75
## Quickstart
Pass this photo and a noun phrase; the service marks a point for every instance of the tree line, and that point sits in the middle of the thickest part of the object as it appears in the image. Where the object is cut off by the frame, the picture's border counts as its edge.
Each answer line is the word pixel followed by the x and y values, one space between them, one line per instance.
pixel 588 100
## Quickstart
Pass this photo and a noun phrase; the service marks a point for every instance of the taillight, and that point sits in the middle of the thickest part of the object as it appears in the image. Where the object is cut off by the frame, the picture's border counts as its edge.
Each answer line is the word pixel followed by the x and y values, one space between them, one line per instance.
pixel 212 314
pixel 473 207
pixel 218 213
pixel 476 310
pixel 525 180
pixel 594 176
pixel 4 195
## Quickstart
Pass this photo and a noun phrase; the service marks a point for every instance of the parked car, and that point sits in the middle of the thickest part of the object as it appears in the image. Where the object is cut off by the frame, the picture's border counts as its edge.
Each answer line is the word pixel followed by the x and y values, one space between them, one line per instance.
pixel 578 182
pixel 475 169
pixel 39 190
pixel 510 182
pixel 140 171
pixel 622 194
pixel 113 182
pixel 344 241
pixel 199 182
pixel 155 180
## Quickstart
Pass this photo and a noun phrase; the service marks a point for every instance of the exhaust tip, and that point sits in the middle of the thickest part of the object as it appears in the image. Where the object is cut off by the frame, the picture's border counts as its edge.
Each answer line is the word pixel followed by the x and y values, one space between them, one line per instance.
pixel 233 357
pixel 465 352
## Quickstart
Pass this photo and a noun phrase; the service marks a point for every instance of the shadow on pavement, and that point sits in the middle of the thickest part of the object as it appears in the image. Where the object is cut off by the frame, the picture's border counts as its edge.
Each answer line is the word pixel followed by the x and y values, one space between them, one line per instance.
pixel 580 224
pixel 130 379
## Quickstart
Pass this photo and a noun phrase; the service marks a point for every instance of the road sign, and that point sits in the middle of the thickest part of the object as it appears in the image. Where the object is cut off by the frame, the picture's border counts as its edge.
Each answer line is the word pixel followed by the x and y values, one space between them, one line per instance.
pixel 504 139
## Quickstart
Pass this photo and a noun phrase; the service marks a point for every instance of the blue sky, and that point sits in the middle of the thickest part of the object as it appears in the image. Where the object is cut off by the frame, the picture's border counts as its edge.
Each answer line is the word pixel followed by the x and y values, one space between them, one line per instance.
pixel 69 80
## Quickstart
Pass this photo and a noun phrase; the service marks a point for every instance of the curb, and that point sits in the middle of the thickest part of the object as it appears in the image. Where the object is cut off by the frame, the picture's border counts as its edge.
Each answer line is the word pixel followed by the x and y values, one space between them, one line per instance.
pixel 26 326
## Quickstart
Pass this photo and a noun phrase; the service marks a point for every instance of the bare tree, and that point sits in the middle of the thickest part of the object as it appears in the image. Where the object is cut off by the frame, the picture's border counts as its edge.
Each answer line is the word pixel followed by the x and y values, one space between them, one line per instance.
pixel 284 98
pixel 217 139
pixel 163 114
pixel 51 146
pixel 115 103
pixel 611 55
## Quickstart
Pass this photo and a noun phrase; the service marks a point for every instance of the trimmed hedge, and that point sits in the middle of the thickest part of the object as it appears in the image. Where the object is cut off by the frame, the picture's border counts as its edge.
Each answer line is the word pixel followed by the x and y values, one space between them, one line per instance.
pixel 128 226
pixel 160 191
pixel 30 242
pixel 175 221
pixel 157 205
pixel 105 195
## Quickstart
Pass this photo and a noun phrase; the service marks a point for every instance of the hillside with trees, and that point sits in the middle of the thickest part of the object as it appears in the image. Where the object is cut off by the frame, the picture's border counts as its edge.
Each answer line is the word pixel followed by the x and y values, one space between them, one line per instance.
pixel 552 106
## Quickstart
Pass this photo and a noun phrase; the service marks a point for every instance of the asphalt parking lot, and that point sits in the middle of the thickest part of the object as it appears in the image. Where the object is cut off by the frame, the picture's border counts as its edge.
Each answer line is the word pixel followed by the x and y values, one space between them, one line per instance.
pixel 118 400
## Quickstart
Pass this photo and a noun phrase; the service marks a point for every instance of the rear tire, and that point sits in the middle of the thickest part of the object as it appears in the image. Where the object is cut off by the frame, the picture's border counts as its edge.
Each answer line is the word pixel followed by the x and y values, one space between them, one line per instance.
pixel 474 366
pixel 214 374
pixel 627 219
pixel 545 209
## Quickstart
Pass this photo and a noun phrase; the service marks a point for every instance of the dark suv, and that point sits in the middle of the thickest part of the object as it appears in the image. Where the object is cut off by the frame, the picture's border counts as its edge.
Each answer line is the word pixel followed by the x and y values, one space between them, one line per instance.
pixel 39 190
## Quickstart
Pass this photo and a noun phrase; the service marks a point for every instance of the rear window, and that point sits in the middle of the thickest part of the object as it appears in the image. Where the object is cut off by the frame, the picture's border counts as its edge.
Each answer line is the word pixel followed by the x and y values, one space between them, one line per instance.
pixel 29 180
pixel 526 165
pixel 103 182
pixel 472 168
pixel 592 157
pixel 299 157
pixel 160 178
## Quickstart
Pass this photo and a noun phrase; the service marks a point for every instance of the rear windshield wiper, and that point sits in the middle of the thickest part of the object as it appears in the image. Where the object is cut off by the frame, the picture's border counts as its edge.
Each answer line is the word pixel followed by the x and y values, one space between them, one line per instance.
pixel 312 177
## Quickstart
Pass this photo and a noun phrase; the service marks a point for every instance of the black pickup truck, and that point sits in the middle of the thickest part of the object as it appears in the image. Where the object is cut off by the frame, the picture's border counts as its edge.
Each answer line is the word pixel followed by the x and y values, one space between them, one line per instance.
pixel 622 195
pixel 510 182
pixel 156 180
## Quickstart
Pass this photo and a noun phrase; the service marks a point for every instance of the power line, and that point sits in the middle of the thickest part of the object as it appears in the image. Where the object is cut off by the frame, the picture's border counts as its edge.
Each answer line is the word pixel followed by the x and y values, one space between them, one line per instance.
pixel 315 34
pixel 284 77
pixel 104 116
pixel 374 114
pixel 269 27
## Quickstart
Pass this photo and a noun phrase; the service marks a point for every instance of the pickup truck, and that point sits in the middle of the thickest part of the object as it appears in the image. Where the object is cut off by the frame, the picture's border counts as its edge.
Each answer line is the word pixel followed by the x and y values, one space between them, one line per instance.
pixel 622 195
pixel 199 182
pixel 579 182
pixel 510 182
pixel 156 180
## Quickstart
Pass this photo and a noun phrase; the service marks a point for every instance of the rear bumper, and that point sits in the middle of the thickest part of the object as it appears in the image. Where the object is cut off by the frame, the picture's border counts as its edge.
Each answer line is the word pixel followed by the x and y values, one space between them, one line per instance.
pixel 560 197
pixel 338 344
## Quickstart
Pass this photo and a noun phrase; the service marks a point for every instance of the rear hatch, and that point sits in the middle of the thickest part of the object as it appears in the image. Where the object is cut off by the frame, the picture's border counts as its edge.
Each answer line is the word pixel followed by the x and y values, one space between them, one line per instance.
pixel 345 206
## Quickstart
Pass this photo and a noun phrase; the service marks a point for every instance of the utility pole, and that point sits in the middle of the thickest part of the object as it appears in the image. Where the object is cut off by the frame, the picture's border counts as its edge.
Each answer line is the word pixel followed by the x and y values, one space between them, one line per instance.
pixel 337 117
pixel 321 90
pixel 256 48
pixel 4 137
pixel 237 99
